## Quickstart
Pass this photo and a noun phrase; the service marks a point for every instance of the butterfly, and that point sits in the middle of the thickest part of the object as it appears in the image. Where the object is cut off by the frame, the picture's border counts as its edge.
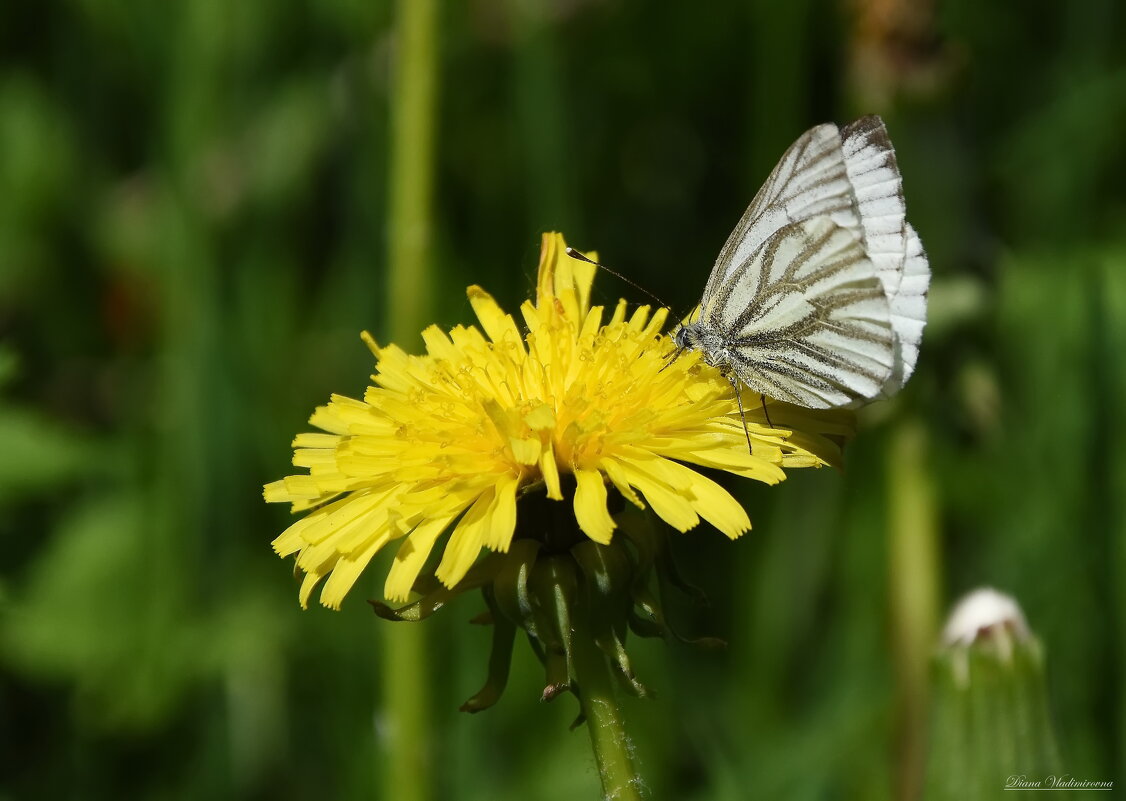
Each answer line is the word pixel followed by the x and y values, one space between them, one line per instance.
pixel 819 296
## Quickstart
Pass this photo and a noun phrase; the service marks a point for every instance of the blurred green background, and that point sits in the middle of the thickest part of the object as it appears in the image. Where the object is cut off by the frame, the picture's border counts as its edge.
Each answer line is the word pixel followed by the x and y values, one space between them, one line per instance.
pixel 194 206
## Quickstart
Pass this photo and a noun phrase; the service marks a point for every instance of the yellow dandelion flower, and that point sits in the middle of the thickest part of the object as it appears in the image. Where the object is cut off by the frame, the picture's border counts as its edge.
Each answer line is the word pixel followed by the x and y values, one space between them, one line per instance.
pixel 581 403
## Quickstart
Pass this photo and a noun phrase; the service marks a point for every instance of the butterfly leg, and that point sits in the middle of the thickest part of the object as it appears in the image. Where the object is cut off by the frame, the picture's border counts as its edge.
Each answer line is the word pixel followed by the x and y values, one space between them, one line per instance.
pixel 762 400
pixel 742 415
pixel 672 358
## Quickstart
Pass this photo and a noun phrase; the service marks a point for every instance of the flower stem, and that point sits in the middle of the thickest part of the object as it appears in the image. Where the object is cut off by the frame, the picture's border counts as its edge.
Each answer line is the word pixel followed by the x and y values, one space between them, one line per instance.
pixel 411 167
pixel 613 749
pixel 914 579
pixel 406 746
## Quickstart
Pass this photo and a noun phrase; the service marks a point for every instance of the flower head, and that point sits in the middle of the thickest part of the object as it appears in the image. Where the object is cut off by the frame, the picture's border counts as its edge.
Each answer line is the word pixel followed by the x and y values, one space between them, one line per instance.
pixel 582 404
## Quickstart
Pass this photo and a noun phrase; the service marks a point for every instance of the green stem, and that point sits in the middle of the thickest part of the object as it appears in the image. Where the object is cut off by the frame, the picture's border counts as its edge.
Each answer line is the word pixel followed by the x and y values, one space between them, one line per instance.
pixel 613 749
pixel 412 168
pixel 406 749
pixel 914 581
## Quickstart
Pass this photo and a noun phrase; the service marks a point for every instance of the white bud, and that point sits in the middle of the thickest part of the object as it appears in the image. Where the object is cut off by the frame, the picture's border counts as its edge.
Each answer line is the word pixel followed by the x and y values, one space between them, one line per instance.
pixel 983 616
pixel 983 612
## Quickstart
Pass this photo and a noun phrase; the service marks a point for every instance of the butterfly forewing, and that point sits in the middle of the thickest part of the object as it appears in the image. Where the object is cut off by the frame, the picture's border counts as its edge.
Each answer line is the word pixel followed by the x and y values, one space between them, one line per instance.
pixel 809 180
pixel 804 318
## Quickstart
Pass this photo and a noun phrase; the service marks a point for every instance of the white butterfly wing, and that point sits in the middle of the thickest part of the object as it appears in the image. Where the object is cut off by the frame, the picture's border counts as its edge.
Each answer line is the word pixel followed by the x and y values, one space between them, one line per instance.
pixel 804 318
pixel 809 180
pixel 850 177
pixel 889 240
pixel 908 312
pixel 873 176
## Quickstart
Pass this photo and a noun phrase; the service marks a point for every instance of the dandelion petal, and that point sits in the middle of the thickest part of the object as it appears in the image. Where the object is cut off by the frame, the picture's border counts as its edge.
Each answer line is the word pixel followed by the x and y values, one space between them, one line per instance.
pixel 590 506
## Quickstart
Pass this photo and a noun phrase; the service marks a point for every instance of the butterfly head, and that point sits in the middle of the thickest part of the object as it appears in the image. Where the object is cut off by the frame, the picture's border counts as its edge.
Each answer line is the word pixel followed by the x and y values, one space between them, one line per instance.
pixel 704 338
pixel 687 336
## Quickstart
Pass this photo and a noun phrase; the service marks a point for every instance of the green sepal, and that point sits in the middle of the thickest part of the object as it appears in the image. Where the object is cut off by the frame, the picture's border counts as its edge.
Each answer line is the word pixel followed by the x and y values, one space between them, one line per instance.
pixel 500 658
pixel 607 572
pixel 513 599
pixel 554 587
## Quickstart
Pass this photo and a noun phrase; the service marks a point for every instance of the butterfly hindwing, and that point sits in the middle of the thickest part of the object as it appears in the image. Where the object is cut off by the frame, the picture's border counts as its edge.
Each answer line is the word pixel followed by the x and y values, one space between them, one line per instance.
pixel 908 306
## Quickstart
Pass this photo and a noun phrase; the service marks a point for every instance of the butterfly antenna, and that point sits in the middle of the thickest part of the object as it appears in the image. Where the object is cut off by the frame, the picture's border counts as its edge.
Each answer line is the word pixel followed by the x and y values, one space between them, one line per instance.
pixel 574 254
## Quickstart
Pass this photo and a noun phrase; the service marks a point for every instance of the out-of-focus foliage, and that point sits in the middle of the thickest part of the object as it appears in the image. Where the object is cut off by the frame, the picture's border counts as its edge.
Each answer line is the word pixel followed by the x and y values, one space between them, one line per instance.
pixel 193 232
